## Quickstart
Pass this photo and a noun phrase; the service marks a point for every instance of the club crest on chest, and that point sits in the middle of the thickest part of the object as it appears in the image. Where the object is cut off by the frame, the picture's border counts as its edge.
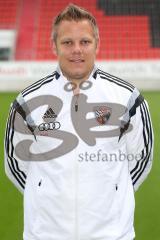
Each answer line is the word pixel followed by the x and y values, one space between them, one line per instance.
pixel 102 114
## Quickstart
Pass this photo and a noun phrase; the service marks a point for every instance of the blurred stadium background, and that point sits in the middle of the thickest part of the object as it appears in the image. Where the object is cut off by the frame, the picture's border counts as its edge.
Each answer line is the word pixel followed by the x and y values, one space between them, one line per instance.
pixel 130 49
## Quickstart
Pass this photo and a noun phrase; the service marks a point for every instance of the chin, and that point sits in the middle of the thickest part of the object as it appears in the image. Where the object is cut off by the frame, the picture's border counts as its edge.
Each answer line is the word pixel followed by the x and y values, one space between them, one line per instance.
pixel 78 75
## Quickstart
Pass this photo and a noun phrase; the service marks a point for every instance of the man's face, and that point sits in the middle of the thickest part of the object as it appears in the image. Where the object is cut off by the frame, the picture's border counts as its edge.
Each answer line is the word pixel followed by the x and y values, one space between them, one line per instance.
pixel 76 49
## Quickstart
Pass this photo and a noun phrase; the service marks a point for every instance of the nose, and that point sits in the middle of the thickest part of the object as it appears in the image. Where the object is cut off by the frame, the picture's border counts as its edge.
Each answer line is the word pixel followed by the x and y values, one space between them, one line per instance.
pixel 77 48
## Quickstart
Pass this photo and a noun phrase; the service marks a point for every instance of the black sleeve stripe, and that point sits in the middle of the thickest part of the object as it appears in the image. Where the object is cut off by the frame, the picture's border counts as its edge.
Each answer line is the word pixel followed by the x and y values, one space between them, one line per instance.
pixel 7 131
pixel 137 103
pixel 116 80
pixel 16 171
pixel 34 88
pixel 13 173
pixel 10 143
pixel 145 143
pixel 144 151
pixel 13 161
pixel 148 127
pixel 148 124
pixel 116 83
pixel 150 142
pixel 19 175
pixel 12 146
pixel 12 151
pixel 24 175
pixel 147 135
pixel 33 85
pixel 37 83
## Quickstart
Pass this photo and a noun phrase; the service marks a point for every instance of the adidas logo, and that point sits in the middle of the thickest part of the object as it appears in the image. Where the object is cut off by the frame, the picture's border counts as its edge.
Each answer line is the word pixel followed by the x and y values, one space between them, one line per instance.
pixel 50 114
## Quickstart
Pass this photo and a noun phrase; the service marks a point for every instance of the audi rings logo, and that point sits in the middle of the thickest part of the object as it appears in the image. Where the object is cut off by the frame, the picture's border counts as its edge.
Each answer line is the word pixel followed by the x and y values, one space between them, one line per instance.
pixel 49 126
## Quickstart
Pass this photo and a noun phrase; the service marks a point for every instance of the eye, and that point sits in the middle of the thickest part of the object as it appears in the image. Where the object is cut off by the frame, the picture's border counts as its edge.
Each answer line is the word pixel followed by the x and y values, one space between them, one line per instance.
pixel 67 42
pixel 85 42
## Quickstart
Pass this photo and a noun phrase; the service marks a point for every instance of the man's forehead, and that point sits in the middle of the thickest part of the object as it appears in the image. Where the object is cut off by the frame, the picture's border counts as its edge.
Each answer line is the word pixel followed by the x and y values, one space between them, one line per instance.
pixel 72 21
pixel 73 24
pixel 66 28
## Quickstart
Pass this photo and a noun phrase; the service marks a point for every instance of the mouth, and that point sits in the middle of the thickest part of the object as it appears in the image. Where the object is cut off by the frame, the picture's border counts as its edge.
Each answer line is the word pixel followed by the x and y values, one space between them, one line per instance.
pixel 76 60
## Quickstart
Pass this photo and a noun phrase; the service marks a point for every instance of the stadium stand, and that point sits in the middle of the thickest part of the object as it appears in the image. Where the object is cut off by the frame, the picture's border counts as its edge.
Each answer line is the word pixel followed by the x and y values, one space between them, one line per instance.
pixel 26 33
pixel 134 27
pixel 129 29
pixel 9 12
pixel 129 40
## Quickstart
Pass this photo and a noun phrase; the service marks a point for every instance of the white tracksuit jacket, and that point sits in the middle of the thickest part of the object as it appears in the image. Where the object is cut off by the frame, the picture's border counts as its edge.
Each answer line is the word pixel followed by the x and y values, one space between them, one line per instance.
pixel 78 160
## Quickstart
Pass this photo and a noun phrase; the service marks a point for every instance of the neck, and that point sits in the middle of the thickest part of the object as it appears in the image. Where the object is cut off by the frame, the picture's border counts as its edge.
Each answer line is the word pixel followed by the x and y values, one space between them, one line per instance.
pixel 76 91
pixel 77 83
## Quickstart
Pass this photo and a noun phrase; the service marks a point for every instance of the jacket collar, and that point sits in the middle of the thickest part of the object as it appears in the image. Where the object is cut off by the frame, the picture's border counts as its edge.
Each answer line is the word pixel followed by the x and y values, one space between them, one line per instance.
pixel 92 75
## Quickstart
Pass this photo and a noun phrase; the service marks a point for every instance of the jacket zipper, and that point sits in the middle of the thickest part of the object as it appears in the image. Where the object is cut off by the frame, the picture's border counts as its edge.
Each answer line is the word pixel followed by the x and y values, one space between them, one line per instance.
pixel 76 200
pixel 76 103
pixel 76 106
pixel 76 181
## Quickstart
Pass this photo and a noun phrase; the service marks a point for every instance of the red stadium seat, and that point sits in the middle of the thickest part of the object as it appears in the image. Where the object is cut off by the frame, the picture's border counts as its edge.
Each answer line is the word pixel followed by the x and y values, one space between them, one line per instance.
pixel 122 36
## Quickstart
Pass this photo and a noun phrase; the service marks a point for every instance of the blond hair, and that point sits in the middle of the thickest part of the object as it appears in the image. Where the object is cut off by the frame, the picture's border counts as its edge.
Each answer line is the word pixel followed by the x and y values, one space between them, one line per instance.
pixel 74 13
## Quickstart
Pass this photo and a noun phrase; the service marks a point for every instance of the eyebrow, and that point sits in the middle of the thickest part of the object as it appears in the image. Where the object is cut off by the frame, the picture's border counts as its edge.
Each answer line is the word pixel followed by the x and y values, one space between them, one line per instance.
pixel 71 39
pixel 66 39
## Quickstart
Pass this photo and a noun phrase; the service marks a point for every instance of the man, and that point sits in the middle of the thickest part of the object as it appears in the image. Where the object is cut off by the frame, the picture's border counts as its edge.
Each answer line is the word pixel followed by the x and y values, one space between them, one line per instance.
pixel 78 143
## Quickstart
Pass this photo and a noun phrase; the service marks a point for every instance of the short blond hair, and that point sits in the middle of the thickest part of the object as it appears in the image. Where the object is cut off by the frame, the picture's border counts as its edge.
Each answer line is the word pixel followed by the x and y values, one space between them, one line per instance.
pixel 74 13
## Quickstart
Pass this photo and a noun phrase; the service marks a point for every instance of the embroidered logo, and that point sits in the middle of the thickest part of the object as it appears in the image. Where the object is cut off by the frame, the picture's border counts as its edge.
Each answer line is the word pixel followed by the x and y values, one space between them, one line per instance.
pixel 49 124
pixel 49 114
pixel 102 114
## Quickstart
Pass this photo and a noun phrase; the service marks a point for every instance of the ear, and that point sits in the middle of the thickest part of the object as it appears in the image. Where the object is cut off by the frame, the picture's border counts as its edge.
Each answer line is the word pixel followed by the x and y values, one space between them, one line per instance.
pixel 97 46
pixel 54 48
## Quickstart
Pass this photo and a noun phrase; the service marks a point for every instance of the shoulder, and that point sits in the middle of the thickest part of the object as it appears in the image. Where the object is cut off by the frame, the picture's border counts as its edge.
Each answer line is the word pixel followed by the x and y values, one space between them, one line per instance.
pixel 38 85
pixel 124 90
pixel 116 82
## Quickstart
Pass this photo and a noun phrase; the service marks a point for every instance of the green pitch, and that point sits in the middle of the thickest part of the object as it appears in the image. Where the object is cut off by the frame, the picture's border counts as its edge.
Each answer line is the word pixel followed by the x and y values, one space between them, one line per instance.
pixel 147 216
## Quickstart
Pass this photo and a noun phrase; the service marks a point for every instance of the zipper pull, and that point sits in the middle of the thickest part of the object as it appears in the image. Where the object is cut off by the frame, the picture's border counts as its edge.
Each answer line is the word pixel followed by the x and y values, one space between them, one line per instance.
pixel 76 102
pixel 40 182
pixel 76 106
